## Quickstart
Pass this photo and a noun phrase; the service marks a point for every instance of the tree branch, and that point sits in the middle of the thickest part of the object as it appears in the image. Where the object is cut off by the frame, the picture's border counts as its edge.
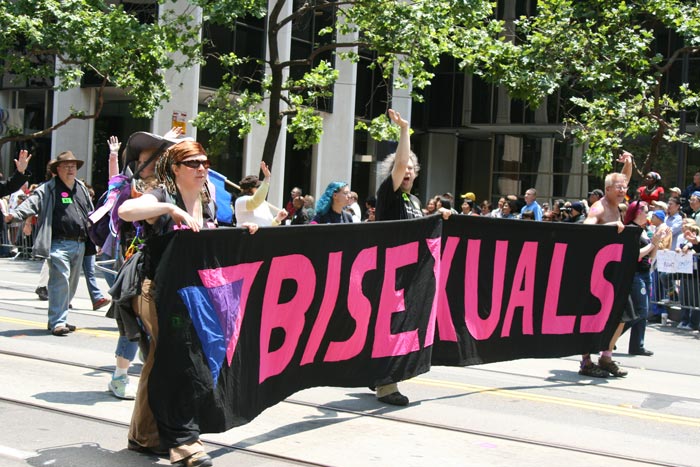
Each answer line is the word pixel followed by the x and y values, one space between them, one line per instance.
pixel 46 131
pixel 310 59
pixel 306 8
pixel 674 57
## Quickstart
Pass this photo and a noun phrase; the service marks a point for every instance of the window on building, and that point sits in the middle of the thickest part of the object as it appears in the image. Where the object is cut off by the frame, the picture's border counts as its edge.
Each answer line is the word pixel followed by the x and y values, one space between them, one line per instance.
pixel 442 106
pixel 548 163
pixel 306 39
pixel 372 90
pixel 246 40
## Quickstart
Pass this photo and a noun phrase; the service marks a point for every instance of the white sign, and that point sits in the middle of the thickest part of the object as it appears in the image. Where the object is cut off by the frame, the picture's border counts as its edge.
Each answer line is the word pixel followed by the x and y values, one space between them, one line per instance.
pixel 670 261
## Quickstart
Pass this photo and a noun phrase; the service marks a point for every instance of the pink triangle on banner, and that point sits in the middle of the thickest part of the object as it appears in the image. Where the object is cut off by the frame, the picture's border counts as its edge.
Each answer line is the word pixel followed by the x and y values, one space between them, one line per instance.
pixel 230 302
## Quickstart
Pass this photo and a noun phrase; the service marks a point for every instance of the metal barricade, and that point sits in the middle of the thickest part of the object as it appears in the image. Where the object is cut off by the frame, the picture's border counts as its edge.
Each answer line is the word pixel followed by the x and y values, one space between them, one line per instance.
pixel 14 242
pixel 673 292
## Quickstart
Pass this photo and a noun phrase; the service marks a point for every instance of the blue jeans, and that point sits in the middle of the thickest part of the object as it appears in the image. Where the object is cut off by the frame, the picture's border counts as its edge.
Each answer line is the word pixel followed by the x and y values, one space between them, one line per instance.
pixel 65 259
pixel 126 348
pixel 89 271
pixel 639 293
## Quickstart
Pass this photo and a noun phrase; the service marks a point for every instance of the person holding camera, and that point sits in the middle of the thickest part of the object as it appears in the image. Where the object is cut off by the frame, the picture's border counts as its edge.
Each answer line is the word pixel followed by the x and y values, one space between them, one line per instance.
pixel 575 213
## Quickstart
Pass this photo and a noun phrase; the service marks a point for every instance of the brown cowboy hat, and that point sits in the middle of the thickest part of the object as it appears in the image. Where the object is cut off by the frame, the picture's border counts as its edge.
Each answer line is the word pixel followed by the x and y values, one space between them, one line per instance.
pixel 65 156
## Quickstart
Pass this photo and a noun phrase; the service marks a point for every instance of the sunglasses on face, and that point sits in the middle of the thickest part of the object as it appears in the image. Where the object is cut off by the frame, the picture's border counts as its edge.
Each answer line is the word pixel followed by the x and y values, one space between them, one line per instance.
pixel 195 164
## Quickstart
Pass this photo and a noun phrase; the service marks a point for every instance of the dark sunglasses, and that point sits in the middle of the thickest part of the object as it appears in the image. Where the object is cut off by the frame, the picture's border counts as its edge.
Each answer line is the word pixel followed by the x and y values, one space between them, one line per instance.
pixel 195 164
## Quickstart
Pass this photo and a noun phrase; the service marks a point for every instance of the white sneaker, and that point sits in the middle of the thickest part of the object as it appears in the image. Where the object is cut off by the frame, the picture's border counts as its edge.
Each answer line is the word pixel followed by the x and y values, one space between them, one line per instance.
pixel 685 327
pixel 121 388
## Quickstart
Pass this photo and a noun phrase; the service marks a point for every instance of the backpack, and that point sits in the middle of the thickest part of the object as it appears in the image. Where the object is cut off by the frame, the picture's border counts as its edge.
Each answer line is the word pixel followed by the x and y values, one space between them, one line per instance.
pixel 104 222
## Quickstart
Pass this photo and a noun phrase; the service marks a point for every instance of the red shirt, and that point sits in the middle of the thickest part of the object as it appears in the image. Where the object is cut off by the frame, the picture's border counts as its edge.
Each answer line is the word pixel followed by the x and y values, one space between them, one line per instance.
pixel 649 196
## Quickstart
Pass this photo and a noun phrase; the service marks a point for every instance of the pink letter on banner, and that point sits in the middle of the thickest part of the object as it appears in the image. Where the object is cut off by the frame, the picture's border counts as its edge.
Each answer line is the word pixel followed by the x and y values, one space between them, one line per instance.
pixel 479 328
pixel 602 289
pixel 391 301
pixel 434 247
pixel 522 297
pixel 212 278
pixel 446 328
pixel 330 298
pixel 359 307
pixel 288 316
pixel 551 322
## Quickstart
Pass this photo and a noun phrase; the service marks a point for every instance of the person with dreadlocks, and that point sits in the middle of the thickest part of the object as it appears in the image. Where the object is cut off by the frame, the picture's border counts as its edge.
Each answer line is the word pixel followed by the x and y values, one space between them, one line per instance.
pixel 330 207
pixel 139 157
pixel 181 201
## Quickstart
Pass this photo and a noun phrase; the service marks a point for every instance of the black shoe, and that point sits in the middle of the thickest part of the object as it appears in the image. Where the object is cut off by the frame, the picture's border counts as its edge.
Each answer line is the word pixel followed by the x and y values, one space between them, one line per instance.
pixel 43 293
pixel 70 327
pixel 655 319
pixel 395 398
pixel 642 351
pixel 155 451
pixel 199 459
pixel 60 331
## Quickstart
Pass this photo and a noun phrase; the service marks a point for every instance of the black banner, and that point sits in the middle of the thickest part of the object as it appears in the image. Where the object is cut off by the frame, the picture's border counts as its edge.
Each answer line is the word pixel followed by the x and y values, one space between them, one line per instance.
pixel 247 320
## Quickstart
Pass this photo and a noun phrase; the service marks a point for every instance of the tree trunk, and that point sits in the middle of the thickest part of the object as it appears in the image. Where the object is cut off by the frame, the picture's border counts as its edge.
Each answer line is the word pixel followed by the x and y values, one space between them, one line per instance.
pixel 274 116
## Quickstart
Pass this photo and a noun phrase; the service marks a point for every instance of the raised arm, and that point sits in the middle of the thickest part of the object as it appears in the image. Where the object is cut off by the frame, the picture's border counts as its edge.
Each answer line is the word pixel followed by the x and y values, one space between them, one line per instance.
pixel 261 193
pixel 113 143
pixel 626 159
pixel 403 151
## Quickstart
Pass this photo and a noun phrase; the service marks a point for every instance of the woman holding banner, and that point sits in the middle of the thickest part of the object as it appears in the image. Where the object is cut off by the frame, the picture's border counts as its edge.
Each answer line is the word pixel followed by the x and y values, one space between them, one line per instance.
pixel 182 201
pixel 637 309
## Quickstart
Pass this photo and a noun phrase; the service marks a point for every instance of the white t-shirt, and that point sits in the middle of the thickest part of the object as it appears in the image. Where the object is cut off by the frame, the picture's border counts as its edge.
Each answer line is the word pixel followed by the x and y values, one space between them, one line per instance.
pixel 260 215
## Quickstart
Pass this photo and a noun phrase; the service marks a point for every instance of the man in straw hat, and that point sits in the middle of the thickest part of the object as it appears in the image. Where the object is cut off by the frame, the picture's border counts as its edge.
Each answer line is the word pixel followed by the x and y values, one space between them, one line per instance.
pixel 62 205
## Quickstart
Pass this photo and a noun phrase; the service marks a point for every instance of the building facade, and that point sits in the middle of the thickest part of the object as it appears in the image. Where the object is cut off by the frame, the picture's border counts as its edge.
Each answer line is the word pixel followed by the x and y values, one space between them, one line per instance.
pixel 468 135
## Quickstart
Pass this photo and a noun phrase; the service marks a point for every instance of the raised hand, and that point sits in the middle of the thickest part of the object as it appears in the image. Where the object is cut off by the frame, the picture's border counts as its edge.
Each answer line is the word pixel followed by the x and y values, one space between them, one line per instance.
pixel 625 157
pixel 396 118
pixel 174 133
pixel 113 143
pixel 23 162
pixel 265 169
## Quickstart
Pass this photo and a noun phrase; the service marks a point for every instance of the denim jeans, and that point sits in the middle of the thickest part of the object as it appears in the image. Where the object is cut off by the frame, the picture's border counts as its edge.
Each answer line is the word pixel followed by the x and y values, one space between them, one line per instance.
pixel 89 271
pixel 639 293
pixel 65 261
pixel 126 348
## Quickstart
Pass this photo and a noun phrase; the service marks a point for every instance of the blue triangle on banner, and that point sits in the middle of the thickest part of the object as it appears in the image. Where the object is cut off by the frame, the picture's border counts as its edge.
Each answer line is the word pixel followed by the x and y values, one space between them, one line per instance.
pixel 215 314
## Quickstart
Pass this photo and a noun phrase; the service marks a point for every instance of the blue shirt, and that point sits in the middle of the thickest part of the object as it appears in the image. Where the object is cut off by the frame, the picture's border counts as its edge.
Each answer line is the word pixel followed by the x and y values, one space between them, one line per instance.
pixel 535 208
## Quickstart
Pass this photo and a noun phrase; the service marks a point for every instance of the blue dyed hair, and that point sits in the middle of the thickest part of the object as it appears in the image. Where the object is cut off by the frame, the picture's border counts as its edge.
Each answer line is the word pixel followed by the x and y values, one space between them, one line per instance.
pixel 325 202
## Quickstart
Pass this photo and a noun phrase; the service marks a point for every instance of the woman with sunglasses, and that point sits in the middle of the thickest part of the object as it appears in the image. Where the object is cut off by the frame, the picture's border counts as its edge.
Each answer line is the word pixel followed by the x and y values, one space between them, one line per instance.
pixel 181 201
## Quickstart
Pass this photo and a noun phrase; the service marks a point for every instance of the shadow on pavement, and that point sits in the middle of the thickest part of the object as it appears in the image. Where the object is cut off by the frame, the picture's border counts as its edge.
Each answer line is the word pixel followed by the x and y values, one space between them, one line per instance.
pixel 90 454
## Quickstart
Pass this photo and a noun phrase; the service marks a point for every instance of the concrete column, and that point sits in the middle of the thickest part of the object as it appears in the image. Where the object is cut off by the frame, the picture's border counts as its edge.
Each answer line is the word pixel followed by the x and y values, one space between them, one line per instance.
pixel 333 156
pixel 184 86
pixel 75 136
pixel 5 159
pixel 438 170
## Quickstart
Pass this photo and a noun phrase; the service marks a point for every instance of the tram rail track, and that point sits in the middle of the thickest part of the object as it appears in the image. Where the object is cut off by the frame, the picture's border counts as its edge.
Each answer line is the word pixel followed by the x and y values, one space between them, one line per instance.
pixel 608 455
